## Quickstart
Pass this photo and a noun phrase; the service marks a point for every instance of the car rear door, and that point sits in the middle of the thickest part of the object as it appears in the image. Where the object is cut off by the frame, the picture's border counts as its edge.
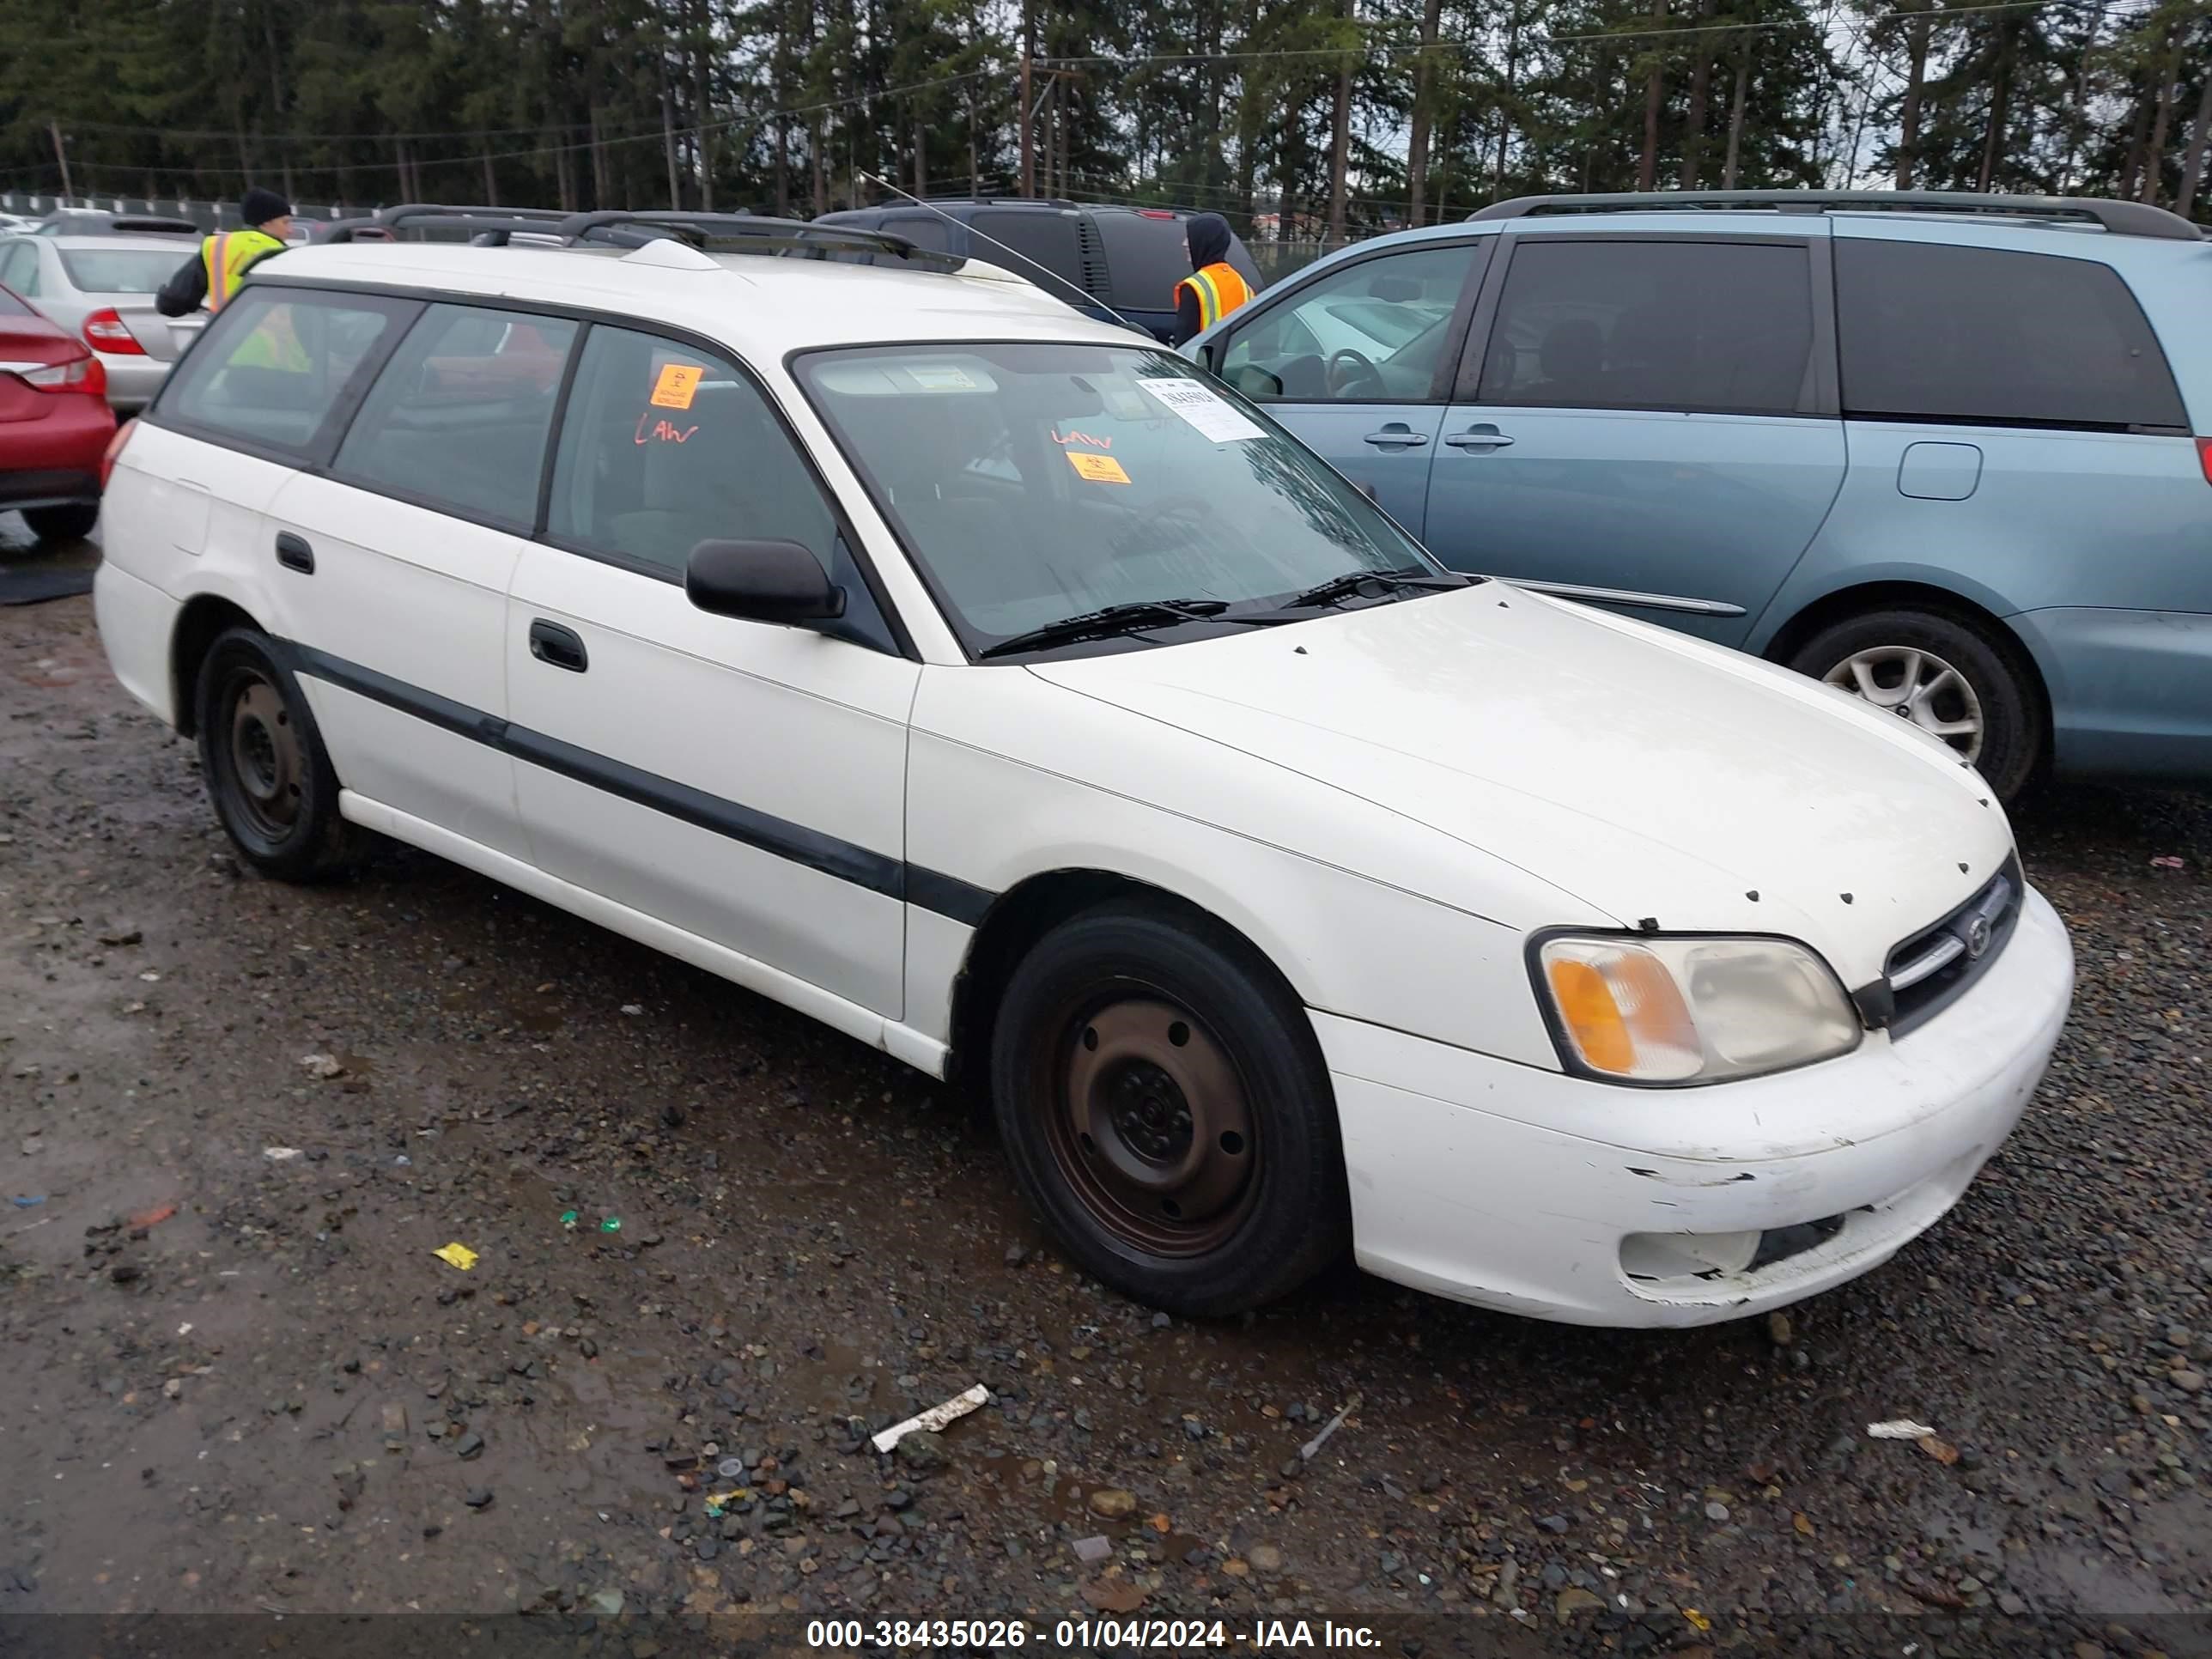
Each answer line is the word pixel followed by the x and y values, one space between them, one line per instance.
pixel 399 556
pixel 1357 361
pixel 1644 420
pixel 741 784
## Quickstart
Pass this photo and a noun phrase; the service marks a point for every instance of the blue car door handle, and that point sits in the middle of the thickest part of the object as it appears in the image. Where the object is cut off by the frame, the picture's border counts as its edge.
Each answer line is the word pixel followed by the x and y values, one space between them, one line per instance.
pixel 1484 436
pixel 1396 435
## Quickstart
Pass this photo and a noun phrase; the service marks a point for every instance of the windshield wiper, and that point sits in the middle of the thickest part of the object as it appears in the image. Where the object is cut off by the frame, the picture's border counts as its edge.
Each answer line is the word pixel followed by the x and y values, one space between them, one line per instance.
pixel 1128 618
pixel 1343 587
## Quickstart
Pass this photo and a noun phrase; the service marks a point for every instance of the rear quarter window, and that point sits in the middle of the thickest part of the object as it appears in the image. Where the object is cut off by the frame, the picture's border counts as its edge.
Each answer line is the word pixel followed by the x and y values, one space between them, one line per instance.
pixel 1048 240
pixel 277 365
pixel 1985 336
pixel 1147 258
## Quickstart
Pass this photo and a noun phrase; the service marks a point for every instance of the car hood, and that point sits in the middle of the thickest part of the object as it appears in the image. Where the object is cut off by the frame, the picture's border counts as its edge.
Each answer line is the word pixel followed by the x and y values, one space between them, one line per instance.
pixel 1655 777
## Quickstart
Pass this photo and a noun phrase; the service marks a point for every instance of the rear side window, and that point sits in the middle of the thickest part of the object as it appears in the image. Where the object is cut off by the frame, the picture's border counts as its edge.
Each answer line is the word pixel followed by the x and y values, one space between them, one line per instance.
pixel 1637 324
pixel 1046 239
pixel 664 447
pixel 459 416
pixel 1978 335
pixel 275 362
pixel 19 267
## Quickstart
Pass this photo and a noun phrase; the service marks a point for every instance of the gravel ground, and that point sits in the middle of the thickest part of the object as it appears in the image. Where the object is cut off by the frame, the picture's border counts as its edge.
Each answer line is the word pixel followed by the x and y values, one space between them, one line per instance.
pixel 239 1378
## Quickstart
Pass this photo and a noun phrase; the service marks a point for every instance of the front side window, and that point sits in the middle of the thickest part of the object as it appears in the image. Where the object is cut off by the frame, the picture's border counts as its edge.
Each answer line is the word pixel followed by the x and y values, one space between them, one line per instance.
pixel 1033 483
pixel 1636 323
pixel 459 416
pixel 1980 335
pixel 664 446
pixel 275 361
pixel 1370 332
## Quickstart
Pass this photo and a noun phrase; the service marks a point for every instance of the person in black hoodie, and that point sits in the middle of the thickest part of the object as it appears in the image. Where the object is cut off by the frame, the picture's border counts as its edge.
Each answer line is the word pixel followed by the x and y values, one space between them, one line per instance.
pixel 1215 287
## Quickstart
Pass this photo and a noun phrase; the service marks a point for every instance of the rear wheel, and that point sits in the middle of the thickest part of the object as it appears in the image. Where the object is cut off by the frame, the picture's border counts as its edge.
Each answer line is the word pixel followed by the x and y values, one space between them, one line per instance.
pixel 1167 1111
pixel 1947 676
pixel 72 523
pixel 267 770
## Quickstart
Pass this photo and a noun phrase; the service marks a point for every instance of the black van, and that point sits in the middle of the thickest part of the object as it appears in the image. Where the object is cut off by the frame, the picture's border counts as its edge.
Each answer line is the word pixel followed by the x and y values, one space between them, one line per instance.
pixel 1101 260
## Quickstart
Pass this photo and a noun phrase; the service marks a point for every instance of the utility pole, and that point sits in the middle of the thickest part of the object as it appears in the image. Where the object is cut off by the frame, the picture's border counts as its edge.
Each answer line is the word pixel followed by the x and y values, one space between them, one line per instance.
pixel 1025 115
pixel 61 155
pixel 1028 161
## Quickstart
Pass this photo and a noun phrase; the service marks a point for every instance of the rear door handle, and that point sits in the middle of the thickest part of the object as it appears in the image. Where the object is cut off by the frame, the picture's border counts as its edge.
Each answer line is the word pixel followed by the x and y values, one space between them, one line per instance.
pixel 549 642
pixel 1396 435
pixel 294 553
pixel 1479 437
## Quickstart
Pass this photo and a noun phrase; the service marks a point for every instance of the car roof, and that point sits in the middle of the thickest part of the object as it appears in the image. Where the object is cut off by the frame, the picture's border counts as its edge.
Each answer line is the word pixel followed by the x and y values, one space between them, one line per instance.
pixel 761 305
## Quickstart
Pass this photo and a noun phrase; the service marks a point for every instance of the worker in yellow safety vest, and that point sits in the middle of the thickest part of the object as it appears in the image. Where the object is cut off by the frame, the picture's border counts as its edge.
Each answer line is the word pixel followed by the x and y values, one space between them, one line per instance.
pixel 1214 287
pixel 212 276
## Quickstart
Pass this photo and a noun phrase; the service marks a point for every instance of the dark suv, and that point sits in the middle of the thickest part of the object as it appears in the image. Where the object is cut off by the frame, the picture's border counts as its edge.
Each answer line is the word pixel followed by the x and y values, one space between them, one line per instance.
pixel 1102 260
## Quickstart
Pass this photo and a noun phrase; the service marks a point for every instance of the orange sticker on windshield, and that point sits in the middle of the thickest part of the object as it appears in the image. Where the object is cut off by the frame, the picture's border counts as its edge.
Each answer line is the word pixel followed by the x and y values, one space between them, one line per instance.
pixel 676 386
pixel 1099 469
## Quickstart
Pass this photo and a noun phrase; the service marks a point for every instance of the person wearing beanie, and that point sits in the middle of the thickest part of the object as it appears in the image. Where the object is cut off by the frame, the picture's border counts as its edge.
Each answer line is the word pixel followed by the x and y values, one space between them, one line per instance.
pixel 212 276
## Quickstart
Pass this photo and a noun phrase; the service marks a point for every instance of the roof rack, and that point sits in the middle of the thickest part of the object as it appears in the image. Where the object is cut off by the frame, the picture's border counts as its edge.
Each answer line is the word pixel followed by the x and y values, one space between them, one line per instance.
pixel 738 232
pixel 2120 218
pixel 753 233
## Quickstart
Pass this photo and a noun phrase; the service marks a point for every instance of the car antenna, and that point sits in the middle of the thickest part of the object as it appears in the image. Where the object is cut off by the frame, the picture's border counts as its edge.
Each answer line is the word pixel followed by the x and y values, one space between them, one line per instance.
pixel 1088 299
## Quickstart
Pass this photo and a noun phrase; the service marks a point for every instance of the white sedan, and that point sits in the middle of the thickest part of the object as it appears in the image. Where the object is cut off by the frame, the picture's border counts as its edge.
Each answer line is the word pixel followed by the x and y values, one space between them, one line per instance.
pixel 1006 694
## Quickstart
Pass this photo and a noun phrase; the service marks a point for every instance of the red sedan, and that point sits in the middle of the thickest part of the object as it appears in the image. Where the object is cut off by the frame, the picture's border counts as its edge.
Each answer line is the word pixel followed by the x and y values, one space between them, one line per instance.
pixel 55 425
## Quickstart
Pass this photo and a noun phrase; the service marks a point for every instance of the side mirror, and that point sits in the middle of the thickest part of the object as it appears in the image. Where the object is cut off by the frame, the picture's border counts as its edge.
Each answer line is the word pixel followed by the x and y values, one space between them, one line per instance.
pixel 762 582
pixel 1257 383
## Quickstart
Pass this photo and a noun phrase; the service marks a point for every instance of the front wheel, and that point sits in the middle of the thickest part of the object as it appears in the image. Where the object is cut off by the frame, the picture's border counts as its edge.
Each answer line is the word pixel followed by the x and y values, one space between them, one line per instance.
pixel 1948 676
pixel 1167 1112
pixel 271 780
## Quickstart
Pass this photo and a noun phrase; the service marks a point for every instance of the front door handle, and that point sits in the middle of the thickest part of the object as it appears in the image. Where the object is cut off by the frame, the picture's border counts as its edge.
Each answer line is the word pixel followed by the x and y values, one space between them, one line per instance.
pixel 1484 436
pixel 1396 435
pixel 294 553
pixel 549 642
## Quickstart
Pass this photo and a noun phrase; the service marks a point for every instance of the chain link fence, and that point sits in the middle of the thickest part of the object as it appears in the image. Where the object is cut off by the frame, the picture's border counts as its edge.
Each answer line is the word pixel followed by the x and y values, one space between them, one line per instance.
pixel 207 215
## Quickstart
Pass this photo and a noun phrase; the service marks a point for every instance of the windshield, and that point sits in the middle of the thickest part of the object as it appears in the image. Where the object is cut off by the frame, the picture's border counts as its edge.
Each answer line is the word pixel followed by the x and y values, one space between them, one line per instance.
pixel 1038 482
pixel 121 270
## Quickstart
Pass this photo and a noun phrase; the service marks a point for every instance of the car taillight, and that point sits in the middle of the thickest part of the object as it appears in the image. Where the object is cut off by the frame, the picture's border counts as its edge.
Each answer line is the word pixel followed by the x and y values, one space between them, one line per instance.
pixel 115 450
pixel 2205 456
pixel 78 375
pixel 1154 213
pixel 104 331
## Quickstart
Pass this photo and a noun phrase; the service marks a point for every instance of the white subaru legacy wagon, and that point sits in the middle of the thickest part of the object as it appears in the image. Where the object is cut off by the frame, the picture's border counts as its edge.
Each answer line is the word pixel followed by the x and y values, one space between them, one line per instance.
pixel 872 630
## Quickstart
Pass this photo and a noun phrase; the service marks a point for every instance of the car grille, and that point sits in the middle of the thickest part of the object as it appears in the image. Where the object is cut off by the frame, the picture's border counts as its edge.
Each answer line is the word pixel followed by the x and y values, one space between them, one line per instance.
pixel 1932 969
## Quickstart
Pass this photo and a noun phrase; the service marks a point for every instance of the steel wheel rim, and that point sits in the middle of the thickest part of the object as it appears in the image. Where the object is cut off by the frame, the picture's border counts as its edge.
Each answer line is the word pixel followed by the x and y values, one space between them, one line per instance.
pixel 1918 686
pixel 1151 1126
pixel 267 764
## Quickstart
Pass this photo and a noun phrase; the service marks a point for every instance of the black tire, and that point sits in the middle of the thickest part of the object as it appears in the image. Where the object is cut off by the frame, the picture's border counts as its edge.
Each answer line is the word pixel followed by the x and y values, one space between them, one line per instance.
pixel 72 523
pixel 1191 1004
pixel 267 771
pixel 2011 712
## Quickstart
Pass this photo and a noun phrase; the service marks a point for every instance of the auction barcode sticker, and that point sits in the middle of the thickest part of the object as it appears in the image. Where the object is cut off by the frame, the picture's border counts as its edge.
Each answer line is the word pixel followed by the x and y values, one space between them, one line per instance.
pixel 1213 418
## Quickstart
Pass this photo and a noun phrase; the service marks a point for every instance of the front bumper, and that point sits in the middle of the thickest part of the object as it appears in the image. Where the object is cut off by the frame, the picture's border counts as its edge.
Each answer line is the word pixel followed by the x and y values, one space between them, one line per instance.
pixel 1459 1186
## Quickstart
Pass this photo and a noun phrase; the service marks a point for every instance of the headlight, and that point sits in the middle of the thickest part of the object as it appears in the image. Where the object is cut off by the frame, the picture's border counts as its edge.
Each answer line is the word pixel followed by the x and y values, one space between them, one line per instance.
pixel 1657 1010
